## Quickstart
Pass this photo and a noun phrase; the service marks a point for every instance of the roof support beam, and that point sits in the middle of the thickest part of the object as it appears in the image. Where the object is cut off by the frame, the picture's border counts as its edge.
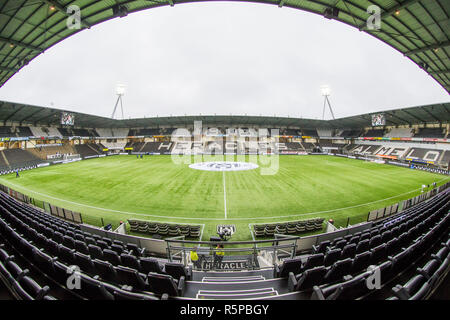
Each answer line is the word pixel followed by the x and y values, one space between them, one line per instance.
pixel 20 44
pixel 394 116
pixel 431 115
pixel 29 116
pixel 430 47
pixel 440 71
pixel 8 69
pixel 400 6
pixel 411 115
pixel 12 115
pixel 37 121
pixel 63 10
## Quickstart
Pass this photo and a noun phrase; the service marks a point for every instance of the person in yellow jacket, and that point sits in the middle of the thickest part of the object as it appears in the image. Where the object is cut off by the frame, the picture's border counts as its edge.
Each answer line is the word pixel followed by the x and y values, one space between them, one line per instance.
pixel 194 258
pixel 218 255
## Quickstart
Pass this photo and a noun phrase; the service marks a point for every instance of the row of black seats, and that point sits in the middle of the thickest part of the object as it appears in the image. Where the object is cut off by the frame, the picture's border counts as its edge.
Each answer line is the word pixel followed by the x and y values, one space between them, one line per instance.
pixel 417 288
pixel 71 237
pixel 365 253
pixel 348 266
pixel 67 250
pixel 37 215
pixel 378 234
pixel 103 274
pixel 19 280
pixel 427 277
pixel 90 258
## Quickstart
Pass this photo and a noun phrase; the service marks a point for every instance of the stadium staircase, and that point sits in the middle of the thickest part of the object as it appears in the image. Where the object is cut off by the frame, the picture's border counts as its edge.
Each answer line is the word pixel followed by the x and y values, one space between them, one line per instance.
pixel 249 285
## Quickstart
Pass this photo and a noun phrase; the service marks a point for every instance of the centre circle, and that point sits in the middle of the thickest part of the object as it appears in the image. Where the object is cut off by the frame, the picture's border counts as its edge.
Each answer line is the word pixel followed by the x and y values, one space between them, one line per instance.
pixel 223 166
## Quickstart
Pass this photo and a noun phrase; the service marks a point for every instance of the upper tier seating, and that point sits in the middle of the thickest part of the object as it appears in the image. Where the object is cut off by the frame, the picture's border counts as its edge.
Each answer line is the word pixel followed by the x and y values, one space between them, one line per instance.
pixel 399 133
pixel 374 133
pixel 309 132
pixel 6 132
pixel 430 133
pixel 351 133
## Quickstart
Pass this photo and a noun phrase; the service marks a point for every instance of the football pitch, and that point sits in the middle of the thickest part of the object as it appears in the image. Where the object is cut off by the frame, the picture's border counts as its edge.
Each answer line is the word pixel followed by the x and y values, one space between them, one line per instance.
pixel 156 189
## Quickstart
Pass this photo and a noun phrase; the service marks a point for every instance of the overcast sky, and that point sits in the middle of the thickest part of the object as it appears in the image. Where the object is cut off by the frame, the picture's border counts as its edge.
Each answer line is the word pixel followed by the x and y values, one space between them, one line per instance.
pixel 223 58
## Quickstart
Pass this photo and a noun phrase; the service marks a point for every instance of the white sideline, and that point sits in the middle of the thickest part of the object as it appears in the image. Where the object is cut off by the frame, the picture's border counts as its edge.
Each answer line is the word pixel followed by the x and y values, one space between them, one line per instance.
pixel 224 195
pixel 7 182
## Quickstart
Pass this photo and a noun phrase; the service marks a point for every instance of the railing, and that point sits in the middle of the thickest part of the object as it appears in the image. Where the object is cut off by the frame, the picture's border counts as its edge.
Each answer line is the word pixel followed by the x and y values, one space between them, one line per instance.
pixel 240 255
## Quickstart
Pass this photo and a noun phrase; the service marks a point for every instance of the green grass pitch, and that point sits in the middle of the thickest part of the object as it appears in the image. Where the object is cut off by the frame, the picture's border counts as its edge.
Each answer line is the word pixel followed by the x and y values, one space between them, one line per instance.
pixel 156 189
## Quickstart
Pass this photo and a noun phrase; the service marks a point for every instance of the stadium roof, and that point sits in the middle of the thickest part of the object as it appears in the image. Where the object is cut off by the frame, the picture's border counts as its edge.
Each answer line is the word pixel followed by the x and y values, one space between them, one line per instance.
pixel 419 29
pixel 27 114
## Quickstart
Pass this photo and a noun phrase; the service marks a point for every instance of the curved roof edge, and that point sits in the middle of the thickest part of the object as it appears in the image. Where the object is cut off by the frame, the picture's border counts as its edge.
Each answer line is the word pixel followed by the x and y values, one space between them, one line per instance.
pixel 25 114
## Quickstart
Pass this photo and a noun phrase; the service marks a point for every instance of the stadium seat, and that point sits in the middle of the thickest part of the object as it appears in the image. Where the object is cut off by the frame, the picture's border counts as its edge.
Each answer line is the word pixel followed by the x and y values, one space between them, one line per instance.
pixel 348 251
pixel 134 249
pixel 28 289
pixel 150 265
pixel 348 290
pixel 415 289
pixel 43 261
pixel 95 252
pixel 177 271
pixel 332 256
pixel 165 284
pixel 105 270
pixel 15 270
pixel 85 263
pixel 313 261
pixel 81 247
pixel 93 289
pixel 322 247
pixel 66 254
pixel 130 261
pixel 131 277
pixel 293 265
pixel 307 279
pixel 361 262
pixel 379 254
pixel 68 242
pixel 338 270
pixel 112 257
pixel 362 246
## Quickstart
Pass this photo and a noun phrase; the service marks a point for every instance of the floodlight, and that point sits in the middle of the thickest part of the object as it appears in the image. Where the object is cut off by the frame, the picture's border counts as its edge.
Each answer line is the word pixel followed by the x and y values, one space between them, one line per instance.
pixel 120 89
pixel 325 90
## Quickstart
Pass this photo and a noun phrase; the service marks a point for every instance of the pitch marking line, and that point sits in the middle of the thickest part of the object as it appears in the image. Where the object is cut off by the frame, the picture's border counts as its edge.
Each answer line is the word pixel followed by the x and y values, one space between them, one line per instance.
pixel 210 219
pixel 224 195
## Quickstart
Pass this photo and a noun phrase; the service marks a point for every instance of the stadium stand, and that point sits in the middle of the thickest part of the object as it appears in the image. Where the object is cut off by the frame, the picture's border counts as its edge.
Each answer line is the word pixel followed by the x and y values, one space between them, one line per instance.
pixel 325 133
pixel 309 132
pixel 17 158
pixel 6 132
pixel 351 133
pixel 164 229
pixel 430 133
pixel 156 147
pixel 374 133
pixel 46 151
pixel 293 227
pixel 144 132
pixel 399 133
pixel 86 150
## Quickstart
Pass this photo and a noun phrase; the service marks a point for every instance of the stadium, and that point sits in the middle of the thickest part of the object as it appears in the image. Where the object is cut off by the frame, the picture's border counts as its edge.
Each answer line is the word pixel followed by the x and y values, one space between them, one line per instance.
pixel 224 207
